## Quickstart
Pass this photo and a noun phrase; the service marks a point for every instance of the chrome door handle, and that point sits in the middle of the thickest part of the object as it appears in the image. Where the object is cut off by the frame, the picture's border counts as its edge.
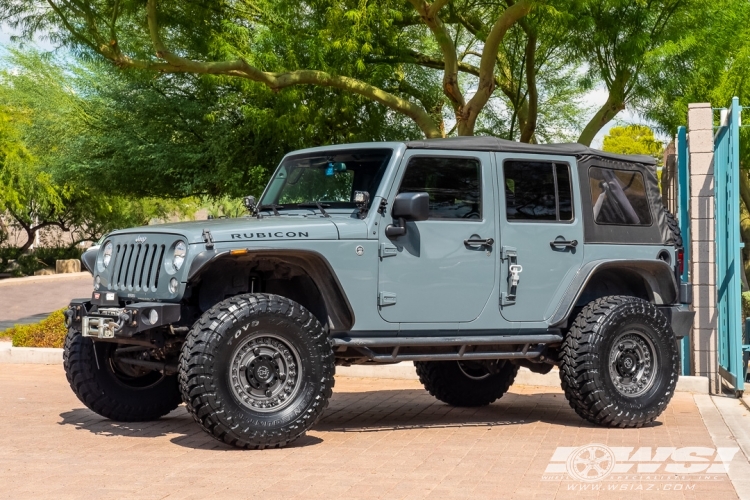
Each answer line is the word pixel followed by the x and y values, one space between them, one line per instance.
pixel 564 243
pixel 476 242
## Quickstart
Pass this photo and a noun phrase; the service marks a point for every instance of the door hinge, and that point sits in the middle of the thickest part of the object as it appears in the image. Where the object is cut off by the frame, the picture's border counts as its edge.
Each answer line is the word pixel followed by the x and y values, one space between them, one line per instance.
pixel 387 250
pixel 386 299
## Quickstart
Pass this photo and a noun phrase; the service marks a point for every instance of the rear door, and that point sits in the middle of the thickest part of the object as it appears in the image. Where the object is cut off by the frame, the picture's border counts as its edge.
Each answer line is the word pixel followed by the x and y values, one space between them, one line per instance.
pixel 541 231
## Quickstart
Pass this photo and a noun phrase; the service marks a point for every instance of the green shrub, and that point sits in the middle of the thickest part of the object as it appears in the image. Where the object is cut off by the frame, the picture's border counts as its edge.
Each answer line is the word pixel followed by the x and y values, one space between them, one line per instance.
pixel 50 332
pixel 49 255
pixel 39 258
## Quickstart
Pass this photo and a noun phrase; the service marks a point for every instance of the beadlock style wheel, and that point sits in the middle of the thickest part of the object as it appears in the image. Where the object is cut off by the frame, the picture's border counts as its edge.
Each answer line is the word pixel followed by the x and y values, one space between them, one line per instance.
pixel 265 373
pixel 633 364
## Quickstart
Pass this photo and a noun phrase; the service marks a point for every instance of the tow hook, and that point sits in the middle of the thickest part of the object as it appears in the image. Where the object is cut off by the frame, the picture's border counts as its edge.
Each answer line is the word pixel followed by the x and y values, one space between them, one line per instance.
pixel 69 315
pixel 123 319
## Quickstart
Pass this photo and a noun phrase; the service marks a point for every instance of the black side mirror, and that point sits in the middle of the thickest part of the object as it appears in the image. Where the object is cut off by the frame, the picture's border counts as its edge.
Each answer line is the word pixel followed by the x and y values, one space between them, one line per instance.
pixel 408 207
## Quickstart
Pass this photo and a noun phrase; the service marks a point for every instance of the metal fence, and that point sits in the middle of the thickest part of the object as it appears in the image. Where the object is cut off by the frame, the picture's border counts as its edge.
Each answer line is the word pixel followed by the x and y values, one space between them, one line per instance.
pixel 728 247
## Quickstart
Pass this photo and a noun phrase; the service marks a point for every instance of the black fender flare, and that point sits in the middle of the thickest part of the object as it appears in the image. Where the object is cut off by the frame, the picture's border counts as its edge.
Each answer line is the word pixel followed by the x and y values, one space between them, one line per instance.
pixel 313 263
pixel 658 276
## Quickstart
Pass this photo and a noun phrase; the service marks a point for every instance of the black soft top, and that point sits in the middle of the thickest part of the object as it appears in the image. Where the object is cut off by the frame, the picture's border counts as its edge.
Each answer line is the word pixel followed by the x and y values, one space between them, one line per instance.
pixel 501 145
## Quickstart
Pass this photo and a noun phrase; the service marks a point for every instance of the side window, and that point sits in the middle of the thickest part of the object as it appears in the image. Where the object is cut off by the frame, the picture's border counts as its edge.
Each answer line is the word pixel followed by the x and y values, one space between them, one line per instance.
pixel 537 191
pixel 454 185
pixel 619 197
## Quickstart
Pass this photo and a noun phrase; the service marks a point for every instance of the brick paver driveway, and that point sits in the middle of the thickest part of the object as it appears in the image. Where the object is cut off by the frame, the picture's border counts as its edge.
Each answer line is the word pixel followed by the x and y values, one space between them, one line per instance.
pixel 379 438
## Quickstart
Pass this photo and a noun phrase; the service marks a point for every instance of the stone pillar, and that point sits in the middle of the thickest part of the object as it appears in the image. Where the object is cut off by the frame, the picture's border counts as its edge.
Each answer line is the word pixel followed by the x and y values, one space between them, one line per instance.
pixel 704 356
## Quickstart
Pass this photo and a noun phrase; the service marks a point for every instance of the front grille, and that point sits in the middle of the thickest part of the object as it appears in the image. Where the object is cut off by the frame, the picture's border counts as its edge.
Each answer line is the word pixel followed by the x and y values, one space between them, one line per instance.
pixel 137 266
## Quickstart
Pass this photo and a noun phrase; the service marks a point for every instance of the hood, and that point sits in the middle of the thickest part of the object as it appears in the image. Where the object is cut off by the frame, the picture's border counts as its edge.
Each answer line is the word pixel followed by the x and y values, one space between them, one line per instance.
pixel 246 229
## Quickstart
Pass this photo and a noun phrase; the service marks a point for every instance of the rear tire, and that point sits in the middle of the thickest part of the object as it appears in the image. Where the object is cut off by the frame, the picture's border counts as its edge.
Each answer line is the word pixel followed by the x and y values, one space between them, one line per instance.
pixel 256 371
pixel 116 392
pixel 466 383
pixel 619 362
pixel 674 226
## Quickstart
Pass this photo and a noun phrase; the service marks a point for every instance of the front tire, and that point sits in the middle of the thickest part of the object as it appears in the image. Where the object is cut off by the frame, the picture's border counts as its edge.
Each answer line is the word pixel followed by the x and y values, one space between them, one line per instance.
pixel 466 383
pixel 256 371
pixel 619 362
pixel 113 390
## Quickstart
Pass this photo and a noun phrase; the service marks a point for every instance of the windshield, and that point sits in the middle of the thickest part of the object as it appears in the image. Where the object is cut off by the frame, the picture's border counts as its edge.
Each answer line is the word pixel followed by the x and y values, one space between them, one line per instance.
pixel 329 179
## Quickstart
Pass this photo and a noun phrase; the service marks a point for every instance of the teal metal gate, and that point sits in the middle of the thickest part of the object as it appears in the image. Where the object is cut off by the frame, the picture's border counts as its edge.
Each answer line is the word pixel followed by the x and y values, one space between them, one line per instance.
pixel 728 247
pixel 683 202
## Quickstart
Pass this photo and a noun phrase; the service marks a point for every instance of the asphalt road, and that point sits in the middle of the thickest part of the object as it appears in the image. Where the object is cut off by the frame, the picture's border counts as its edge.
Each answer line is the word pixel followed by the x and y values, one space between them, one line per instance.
pixel 27 302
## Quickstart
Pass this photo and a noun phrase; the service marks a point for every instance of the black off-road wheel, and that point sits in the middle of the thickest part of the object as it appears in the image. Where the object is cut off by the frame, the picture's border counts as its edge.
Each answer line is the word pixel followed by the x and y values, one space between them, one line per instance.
pixel 619 362
pixel 466 383
pixel 256 371
pixel 114 390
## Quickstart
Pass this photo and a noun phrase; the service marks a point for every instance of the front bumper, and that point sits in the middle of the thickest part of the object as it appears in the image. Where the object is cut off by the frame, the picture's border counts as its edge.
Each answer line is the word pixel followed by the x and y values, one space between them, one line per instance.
pixel 680 318
pixel 114 321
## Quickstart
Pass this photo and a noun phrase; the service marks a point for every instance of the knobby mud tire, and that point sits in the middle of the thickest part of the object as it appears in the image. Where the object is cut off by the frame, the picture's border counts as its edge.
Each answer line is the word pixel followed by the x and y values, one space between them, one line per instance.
pixel 585 372
pixel 212 344
pixel 92 378
pixel 448 383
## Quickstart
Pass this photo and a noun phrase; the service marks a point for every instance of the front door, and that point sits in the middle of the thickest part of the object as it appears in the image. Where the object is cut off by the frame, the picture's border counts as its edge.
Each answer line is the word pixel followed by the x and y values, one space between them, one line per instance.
pixel 443 269
pixel 541 233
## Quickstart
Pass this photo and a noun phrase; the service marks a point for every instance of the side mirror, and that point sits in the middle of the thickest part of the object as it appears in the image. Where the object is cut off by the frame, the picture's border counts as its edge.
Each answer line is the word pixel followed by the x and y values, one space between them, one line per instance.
pixel 412 206
pixel 408 207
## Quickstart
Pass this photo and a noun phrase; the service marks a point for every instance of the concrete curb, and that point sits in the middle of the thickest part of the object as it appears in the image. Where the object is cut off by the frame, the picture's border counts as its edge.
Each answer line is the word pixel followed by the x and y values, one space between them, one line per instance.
pixel 29 355
pixel 49 277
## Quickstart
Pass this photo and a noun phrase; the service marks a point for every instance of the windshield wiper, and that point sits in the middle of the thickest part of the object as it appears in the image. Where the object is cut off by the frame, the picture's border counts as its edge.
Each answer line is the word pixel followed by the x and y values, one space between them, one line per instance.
pixel 270 206
pixel 316 204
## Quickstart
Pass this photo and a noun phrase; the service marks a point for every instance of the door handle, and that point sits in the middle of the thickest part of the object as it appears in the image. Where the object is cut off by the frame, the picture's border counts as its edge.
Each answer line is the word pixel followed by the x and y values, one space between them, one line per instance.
pixel 563 243
pixel 478 242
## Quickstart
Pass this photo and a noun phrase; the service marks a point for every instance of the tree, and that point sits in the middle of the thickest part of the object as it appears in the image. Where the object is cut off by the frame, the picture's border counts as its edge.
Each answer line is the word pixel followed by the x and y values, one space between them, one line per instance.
pixel 449 66
pixel 633 140
pixel 376 50
pixel 32 121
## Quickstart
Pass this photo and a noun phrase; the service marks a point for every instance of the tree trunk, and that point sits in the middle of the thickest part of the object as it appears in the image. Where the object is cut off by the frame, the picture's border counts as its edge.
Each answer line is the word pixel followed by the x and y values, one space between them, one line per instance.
pixel 30 236
pixel 615 103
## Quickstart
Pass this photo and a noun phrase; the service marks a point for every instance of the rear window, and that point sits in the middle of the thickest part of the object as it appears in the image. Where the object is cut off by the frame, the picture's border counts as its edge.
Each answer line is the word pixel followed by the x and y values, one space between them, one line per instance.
pixel 619 197
pixel 537 191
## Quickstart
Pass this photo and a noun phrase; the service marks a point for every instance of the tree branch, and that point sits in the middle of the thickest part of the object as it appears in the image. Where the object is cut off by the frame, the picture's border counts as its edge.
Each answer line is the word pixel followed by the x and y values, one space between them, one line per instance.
pixel 486 86
pixel 429 15
pixel 614 104
pixel 529 127
pixel 275 81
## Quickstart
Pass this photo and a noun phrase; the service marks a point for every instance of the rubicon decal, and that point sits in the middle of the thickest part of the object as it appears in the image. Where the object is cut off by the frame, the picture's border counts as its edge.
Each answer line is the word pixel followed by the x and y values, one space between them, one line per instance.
pixel 276 234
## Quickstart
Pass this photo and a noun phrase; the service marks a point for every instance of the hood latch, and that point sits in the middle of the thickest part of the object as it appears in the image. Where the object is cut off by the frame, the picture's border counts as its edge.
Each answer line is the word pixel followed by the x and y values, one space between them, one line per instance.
pixel 208 239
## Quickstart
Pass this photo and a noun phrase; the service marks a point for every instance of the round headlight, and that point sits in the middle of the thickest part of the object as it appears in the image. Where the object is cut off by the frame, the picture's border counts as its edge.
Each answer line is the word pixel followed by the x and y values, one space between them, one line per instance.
pixel 153 316
pixel 107 254
pixel 180 249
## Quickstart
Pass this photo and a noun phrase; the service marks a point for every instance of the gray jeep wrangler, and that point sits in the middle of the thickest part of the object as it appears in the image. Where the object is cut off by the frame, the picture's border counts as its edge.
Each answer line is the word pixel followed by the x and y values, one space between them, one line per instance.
pixel 471 257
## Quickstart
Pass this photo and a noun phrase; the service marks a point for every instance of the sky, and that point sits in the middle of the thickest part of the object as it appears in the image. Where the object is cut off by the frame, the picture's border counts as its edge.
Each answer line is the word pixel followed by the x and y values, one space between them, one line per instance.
pixel 596 97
